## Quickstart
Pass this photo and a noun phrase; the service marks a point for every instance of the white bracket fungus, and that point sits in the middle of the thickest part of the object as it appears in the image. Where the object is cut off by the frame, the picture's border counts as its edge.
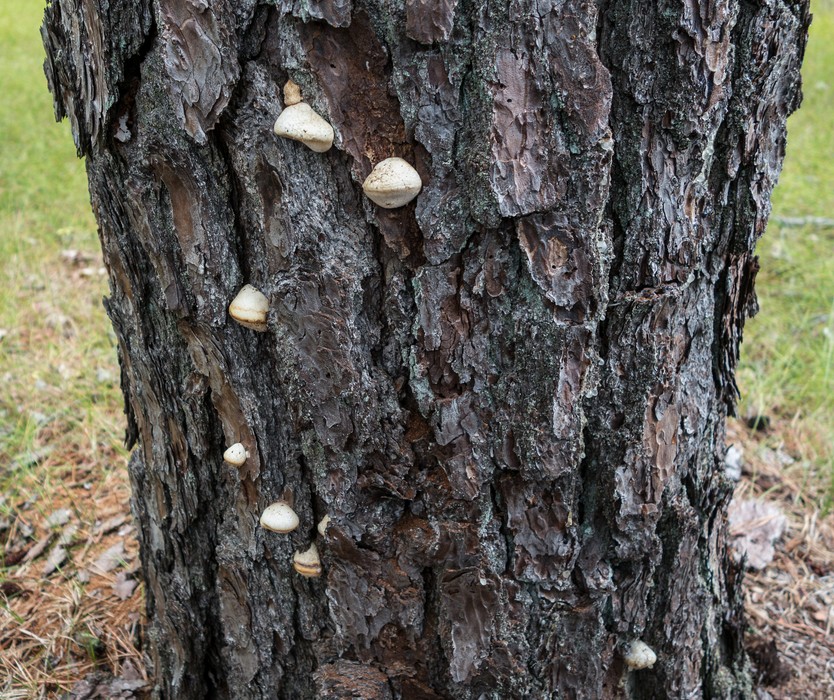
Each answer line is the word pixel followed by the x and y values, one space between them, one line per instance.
pixel 392 183
pixel 279 517
pixel 322 526
pixel 249 308
pixel 236 455
pixel 292 93
pixel 639 655
pixel 307 563
pixel 300 123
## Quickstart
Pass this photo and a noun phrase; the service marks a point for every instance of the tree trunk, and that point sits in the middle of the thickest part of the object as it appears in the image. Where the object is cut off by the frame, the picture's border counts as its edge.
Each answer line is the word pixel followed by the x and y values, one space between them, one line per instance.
pixel 509 395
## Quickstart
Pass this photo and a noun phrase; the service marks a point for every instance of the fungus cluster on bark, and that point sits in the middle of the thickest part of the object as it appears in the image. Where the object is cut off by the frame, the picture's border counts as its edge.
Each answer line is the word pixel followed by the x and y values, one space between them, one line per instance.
pixel 279 517
pixel 235 455
pixel 639 655
pixel 249 308
pixel 300 122
pixel 307 563
pixel 392 183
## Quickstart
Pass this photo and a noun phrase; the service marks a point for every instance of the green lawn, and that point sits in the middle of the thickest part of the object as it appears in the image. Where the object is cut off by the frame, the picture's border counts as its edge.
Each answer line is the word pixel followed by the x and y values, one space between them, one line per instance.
pixel 42 184
pixel 56 347
pixel 787 365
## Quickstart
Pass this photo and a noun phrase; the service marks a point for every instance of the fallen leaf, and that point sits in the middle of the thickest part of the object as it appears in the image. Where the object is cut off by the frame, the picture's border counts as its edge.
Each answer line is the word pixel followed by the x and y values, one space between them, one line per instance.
pixel 60 322
pixel 38 548
pixel 130 672
pixel 76 257
pixel 56 557
pixel 754 527
pixel 124 586
pixel 104 376
pixel 13 557
pixel 29 459
pixel 68 535
pixel 58 517
pixel 109 559
pixel 11 589
pixel 110 524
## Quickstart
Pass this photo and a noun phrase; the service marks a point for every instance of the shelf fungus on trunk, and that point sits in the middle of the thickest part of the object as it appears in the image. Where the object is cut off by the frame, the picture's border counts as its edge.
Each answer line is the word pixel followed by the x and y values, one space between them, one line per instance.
pixel 235 455
pixel 392 183
pixel 292 93
pixel 249 308
pixel 639 655
pixel 279 517
pixel 300 123
pixel 307 563
pixel 322 526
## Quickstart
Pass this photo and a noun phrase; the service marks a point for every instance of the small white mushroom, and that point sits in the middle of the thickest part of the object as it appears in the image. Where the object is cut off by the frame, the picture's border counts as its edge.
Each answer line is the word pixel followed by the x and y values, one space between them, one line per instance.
pixel 249 308
pixel 322 526
pixel 236 455
pixel 307 563
pixel 300 123
pixel 279 517
pixel 392 183
pixel 292 93
pixel 639 655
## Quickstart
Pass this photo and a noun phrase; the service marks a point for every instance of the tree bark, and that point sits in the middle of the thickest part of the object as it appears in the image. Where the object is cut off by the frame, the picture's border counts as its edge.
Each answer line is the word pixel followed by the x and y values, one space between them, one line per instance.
pixel 509 396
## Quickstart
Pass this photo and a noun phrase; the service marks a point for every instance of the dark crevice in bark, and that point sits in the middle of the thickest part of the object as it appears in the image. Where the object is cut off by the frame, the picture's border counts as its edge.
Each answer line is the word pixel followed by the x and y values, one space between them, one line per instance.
pixel 131 436
pixel 254 35
pixel 436 666
pixel 244 249
pixel 124 110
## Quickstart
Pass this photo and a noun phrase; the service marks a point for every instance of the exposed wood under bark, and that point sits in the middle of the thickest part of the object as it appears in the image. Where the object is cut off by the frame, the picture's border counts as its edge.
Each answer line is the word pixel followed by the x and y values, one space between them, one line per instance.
pixel 508 395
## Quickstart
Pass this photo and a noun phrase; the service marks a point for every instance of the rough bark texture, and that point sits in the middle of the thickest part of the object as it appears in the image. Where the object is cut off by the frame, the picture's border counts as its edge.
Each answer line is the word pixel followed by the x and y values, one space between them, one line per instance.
pixel 509 395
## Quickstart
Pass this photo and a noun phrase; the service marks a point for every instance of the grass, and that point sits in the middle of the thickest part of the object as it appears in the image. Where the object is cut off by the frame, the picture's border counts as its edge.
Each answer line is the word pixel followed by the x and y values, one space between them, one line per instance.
pixel 787 368
pixel 60 410
pixel 56 346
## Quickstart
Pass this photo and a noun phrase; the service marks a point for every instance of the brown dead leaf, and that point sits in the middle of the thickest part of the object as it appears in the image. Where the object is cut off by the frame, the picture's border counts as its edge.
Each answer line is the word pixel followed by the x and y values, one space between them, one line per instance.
pixel 754 526
pixel 76 257
pixel 10 589
pixel 38 548
pixel 57 556
pixel 110 524
pixel 109 559
pixel 14 557
pixel 68 535
pixel 58 517
pixel 124 586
